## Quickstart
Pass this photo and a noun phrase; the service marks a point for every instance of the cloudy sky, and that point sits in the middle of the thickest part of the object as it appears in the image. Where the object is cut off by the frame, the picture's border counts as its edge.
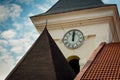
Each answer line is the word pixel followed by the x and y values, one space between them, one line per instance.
pixel 17 33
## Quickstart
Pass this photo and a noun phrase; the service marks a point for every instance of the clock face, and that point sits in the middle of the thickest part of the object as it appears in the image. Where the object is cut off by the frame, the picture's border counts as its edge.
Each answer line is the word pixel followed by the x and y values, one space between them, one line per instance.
pixel 73 39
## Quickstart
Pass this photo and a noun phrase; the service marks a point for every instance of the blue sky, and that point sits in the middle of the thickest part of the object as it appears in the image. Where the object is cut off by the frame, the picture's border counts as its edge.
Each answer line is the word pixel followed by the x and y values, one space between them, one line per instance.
pixel 17 33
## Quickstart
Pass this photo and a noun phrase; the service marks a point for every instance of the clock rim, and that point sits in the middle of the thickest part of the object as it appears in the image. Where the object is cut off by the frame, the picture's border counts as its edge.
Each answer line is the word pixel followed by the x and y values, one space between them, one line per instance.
pixel 70 31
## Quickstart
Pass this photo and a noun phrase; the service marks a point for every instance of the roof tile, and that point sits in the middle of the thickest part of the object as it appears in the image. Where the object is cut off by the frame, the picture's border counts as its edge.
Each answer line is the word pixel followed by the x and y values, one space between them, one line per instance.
pixel 106 64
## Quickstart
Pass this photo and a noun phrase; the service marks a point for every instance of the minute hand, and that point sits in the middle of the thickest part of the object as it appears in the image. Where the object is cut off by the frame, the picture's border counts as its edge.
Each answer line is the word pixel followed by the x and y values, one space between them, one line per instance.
pixel 73 36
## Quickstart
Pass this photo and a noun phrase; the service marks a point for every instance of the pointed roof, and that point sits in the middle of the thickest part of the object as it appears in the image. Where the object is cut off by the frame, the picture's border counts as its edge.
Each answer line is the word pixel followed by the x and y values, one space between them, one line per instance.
pixel 103 64
pixel 43 61
pixel 72 5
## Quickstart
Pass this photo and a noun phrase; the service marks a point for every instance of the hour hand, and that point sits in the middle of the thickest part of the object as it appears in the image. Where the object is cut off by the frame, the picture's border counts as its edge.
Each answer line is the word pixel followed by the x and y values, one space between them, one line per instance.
pixel 73 36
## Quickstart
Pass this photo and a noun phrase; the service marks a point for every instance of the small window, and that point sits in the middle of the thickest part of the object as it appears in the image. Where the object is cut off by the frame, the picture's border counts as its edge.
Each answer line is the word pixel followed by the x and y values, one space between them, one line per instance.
pixel 74 63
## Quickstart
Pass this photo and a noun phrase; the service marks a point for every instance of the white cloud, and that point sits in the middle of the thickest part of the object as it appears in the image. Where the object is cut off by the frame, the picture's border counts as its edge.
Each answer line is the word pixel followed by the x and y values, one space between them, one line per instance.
pixel 23 44
pixel 8 34
pixel 17 25
pixel 17 49
pixel 30 14
pixel 15 11
pixel 3 50
pixel 28 23
pixel 12 11
pixel 18 42
pixel 52 1
pixel 28 2
pixel 3 13
pixel 18 46
pixel 7 58
pixel 43 7
pixel 6 65
pixel 3 42
pixel 31 35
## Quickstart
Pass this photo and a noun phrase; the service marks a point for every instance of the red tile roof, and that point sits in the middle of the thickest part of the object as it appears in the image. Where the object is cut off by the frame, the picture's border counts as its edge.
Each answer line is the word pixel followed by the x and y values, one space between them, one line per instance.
pixel 103 64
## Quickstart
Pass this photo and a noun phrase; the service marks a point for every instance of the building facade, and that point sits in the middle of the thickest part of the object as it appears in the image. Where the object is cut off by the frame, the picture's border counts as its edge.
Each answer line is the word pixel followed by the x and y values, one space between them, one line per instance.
pixel 98 22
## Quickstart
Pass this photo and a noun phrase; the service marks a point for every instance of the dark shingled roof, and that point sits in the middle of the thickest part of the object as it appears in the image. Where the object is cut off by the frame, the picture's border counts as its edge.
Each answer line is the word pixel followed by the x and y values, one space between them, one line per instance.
pixel 73 5
pixel 44 61
pixel 70 5
pixel 105 65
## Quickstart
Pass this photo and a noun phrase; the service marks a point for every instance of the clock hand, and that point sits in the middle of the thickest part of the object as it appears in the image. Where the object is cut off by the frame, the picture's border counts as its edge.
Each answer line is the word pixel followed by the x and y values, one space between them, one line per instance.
pixel 73 36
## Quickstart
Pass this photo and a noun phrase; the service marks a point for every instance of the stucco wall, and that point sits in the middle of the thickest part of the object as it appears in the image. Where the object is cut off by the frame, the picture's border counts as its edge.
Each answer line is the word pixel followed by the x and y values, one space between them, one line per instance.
pixel 94 35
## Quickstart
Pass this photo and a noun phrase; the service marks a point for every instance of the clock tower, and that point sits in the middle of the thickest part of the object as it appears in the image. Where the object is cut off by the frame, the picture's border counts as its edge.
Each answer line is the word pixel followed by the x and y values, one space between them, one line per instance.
pixel 79 26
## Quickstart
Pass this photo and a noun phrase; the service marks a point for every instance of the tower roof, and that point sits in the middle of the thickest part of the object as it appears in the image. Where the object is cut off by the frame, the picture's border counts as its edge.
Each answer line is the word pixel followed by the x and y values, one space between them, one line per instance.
pixel 72 5
pixel 43 61
pixel 103 64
